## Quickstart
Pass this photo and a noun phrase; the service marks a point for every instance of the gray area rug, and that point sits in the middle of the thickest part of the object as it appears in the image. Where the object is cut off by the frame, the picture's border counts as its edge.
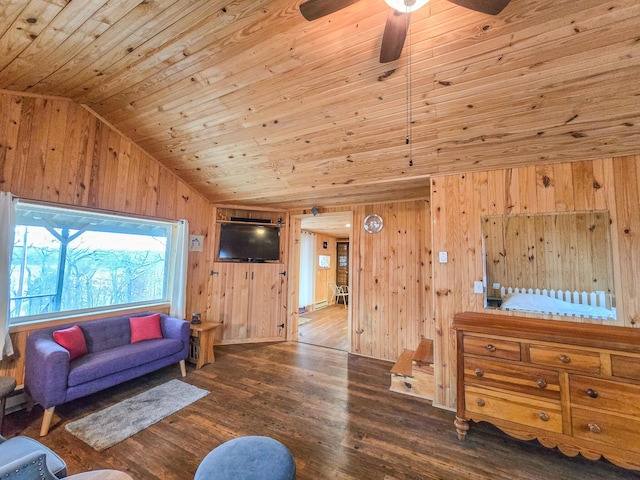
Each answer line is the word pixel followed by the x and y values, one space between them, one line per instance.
pixel 112 425
pixel 303 320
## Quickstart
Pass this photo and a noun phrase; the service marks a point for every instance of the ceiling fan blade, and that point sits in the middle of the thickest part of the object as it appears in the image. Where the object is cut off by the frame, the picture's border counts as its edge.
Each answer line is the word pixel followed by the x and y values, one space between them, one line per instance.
pixel 491 7
pixel 314 9
pixel 395 32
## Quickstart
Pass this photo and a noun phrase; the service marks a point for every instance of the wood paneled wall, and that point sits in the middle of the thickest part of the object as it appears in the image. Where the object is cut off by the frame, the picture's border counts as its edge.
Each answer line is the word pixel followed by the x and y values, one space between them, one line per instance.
pixel 458 202
pixel 393 290
pixel 391 278
pixel 324 276
pixel 54 150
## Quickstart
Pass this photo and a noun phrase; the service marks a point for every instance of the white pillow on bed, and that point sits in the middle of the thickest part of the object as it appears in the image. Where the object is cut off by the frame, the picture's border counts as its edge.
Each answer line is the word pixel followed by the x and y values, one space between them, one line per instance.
pixel 530 302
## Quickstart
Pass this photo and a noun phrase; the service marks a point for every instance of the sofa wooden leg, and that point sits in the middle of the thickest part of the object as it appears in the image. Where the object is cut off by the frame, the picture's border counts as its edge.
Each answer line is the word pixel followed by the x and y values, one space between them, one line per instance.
pixel 183 368
pixel 46 421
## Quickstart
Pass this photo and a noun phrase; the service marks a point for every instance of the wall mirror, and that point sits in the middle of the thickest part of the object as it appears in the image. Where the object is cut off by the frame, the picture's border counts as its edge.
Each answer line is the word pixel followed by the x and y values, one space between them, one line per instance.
pixel 555 263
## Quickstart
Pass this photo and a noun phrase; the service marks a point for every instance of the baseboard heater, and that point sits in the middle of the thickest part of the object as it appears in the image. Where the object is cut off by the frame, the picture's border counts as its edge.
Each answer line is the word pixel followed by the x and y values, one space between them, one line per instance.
pixel 320 305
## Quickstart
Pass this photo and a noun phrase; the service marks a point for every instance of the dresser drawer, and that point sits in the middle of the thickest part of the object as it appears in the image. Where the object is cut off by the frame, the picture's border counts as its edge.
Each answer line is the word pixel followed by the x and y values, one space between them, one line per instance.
pixel 625 367
pixel 492 347
pixel 528 379
pixel 581 360
pixel 539 414
pixel 602 394
pixel 623 432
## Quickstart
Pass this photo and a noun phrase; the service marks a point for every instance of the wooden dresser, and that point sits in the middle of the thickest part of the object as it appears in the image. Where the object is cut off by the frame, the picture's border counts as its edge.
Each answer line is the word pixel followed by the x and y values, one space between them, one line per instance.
pixel 571 385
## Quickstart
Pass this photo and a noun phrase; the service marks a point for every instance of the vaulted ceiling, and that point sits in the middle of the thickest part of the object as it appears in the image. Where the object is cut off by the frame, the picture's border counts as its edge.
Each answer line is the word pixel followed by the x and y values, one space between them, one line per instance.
pixel 253 105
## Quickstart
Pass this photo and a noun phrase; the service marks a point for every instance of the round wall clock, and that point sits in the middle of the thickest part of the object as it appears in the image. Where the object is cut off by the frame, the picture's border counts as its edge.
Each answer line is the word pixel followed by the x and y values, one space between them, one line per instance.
pixel 373 223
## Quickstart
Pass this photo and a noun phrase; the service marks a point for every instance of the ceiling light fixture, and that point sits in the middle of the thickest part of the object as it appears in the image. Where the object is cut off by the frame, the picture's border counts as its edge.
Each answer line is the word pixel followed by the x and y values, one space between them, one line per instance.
pixel 406 6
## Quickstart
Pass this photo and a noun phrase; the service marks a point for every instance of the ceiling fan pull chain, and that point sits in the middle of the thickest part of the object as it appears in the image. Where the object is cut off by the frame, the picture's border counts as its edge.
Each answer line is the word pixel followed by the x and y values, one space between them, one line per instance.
pixel 409 92
pixel 408 81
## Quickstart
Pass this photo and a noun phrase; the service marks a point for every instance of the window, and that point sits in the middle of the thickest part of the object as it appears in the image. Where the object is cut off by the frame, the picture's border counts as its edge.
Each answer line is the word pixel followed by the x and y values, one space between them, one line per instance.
pixel 75 261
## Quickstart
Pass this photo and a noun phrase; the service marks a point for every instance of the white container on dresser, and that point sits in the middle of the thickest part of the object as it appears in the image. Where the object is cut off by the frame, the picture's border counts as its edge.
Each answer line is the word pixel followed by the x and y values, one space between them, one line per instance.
pixel 571 385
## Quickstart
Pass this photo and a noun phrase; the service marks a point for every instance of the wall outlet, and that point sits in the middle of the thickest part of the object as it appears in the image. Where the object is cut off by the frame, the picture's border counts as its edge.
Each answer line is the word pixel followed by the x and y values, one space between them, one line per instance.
pixel 442 257
pixel 478 287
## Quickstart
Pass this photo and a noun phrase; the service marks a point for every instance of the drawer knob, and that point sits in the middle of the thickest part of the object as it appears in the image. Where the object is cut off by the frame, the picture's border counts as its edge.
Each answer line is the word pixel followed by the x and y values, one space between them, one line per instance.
pixel 541 383
pixel 565 358
pixel 479 372
pixel 591 393
pixel 543 416
pixel 491 347
pixel 480 402
pixel 594 428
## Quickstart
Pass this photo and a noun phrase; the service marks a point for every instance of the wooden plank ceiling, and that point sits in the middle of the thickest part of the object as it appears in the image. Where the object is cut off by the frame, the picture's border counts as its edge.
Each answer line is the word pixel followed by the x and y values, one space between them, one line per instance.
pixel 334 224
pixel 252 105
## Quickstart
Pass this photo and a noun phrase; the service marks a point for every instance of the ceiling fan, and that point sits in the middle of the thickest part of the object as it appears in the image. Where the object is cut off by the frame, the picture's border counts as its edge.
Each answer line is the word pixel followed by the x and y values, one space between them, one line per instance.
pixel 395 31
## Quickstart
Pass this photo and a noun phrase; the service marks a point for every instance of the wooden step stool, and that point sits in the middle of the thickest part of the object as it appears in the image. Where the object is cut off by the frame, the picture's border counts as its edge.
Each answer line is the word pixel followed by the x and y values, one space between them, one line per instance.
pixel 412 374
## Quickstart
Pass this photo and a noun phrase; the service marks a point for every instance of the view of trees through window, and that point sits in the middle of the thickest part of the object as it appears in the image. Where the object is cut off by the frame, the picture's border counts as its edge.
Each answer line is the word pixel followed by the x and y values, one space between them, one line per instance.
pixel 60 269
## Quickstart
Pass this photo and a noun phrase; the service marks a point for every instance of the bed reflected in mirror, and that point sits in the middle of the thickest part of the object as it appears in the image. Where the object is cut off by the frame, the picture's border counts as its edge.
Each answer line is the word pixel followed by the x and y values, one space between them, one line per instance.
pixel 555 263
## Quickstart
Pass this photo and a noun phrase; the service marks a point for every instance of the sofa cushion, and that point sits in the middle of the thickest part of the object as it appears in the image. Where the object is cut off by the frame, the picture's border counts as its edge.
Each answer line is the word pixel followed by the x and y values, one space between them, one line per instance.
pixel 108 362
pixel 106 333
pixel 72 339
pixel 145 328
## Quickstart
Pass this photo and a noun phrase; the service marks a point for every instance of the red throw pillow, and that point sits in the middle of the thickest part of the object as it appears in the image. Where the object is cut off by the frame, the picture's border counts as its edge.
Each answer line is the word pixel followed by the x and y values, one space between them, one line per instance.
pixel 73 340
pixel 145 328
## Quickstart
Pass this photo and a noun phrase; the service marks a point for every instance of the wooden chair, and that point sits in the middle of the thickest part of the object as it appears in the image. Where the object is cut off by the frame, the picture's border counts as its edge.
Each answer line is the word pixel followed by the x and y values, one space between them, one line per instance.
pixel 340 291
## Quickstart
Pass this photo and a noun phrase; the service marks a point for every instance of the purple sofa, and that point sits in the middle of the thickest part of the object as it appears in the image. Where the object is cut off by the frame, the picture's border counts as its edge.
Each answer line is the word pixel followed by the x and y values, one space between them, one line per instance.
pixel 51 379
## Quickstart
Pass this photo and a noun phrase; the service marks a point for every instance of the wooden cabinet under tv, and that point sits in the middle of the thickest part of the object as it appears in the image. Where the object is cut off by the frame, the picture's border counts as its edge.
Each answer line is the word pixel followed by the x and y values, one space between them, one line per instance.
pixel 571 385
pixel 247 298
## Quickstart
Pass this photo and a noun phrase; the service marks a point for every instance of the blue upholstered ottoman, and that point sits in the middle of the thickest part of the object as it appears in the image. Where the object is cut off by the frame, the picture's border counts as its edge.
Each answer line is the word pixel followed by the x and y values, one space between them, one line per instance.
pixel 248 458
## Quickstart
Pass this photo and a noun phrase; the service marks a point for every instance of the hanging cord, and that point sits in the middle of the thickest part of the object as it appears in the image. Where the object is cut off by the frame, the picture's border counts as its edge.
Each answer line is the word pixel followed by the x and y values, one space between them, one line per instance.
pixel 409 92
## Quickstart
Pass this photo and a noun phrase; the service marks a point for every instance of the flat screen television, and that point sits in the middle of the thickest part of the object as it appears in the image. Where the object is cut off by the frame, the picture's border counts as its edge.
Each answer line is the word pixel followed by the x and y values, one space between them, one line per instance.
pixel 249 243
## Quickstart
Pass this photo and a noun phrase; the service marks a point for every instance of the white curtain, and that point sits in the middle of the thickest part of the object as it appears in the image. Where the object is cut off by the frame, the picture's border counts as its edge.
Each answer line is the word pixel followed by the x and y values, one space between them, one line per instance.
pixel 307 262
pixel 178 291
pixel 7 230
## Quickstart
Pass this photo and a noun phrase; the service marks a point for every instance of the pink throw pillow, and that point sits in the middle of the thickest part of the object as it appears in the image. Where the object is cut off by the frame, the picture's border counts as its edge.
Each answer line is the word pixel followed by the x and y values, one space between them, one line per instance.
pixel 73 340
pixel 145 328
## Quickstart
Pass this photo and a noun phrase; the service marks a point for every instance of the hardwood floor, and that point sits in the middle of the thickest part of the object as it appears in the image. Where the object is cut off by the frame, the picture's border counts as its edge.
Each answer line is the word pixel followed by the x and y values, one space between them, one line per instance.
pixel 332 410
pixel 329 327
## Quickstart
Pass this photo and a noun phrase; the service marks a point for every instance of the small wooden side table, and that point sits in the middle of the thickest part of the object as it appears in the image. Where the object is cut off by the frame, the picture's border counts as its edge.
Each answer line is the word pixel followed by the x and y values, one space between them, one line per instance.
pixel 7 386
pixel 206 332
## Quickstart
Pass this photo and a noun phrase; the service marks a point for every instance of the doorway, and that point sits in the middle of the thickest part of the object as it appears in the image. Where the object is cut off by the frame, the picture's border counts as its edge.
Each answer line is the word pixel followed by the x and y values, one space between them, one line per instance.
pixel 326 327
pixel 321 320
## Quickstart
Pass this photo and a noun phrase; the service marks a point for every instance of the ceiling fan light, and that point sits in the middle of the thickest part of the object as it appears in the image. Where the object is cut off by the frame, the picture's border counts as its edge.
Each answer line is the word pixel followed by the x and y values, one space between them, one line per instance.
pixel 406 6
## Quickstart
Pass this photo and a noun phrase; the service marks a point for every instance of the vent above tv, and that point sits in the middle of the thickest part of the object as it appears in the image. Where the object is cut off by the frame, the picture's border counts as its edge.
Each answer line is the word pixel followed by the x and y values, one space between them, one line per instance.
pixel 250 220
